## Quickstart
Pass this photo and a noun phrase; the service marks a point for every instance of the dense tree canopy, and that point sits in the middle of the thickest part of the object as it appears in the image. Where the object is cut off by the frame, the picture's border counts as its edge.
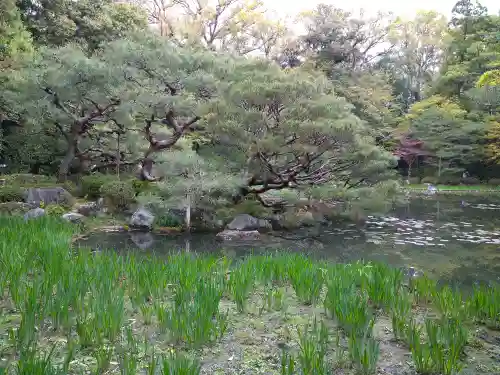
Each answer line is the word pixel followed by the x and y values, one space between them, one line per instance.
pixel 224 89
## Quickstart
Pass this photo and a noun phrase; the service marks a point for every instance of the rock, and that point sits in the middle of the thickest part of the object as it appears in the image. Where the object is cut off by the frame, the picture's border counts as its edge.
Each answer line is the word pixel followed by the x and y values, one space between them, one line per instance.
pixel 142 219
pixel 34 213
pixel 73 217
pixel 142 240
pixel 89 209
pixel 55 195
pixel 231 235
pixel 246 222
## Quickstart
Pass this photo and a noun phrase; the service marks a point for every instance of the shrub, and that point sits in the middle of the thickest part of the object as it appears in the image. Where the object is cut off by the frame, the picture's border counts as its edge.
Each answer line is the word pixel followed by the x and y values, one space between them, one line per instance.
pixel 450 180
pixel 11 193
pixel 143 186
pixel 91 185
pixel 414 180
pixel 470 181
pixel 55 210
pixel 494 181
pixel 25 179
pixel 118 195
pixel 14 208
pixel 169 219
pixel 430 180
pixel 70 187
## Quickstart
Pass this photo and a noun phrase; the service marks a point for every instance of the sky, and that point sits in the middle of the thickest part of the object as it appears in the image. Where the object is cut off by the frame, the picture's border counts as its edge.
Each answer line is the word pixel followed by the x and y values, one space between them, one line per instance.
pixel 398 7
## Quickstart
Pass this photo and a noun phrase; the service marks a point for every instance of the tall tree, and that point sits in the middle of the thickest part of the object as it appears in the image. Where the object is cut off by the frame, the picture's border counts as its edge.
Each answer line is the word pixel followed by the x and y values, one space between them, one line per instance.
pixel 418 54
pixel 465 58
pixel 446 132
pixel 283 128
pixel 90 22
pixel 239 26
pixel 14 38
pixel 347 48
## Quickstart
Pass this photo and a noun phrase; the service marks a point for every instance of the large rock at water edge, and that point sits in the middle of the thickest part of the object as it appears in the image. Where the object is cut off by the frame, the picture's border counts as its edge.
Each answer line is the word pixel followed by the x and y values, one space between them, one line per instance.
pixel 246 222
pixel 53 195
pixel 142 219
pixel 73 217
pixel 239 235
pixel 35 213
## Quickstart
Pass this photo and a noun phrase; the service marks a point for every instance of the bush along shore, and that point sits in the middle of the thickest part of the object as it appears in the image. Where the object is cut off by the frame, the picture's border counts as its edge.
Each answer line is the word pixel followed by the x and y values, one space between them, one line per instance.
pixel 72 311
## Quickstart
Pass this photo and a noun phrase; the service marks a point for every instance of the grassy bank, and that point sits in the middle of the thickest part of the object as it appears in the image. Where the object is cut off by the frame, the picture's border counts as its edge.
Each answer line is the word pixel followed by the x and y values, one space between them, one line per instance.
pixel 66 311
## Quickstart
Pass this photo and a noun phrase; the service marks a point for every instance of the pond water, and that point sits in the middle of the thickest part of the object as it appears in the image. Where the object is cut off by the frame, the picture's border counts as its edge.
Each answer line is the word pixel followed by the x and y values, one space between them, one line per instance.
pixel 453 238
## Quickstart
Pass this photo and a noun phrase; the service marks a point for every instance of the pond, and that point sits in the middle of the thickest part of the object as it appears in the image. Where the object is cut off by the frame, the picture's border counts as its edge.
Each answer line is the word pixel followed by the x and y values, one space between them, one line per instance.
pixel 453 238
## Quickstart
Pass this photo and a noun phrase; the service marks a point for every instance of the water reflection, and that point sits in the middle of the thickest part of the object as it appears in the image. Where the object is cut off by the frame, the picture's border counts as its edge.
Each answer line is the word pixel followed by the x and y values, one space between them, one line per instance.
pixel 454 238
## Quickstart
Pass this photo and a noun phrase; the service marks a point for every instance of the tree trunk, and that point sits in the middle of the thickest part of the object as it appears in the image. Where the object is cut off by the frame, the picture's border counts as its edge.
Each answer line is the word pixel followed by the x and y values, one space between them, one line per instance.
pixel 188 212
pixel 66 162
pixel 118 155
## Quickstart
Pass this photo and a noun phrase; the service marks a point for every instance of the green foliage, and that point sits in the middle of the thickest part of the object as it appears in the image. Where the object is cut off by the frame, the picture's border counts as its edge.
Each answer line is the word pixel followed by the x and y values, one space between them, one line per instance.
pixel 87 22
pixel 14 38
pixel 119 195
pixel 141 186
pixel 364 353
pixel 55 210
pixel 168 219
pixel 55 291
pixel 447 133
pixel 28 180
pixel 14 208
pixel 91 185
pixel 11 193
pixel 178 364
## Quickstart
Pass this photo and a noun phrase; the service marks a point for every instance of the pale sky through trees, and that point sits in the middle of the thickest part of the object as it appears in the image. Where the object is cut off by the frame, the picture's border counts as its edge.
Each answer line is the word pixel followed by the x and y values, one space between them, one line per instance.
pixel 398 7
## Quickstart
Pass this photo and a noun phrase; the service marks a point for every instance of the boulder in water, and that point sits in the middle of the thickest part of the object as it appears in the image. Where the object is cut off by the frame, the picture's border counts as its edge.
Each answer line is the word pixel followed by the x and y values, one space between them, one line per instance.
pixel 142 219
pixel 246 222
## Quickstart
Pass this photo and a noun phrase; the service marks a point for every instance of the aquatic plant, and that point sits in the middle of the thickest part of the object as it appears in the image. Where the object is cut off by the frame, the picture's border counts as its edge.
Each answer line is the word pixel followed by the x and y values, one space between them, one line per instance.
pixel 364 352
pixel 447 339
pixel 97 300
pixel 420 352
pixel 401 306
pixel 241 283
pixel 33 362
pixel 178 364
pixel 382 284
pixel 273 299
pixel 287 363
pixel 484 305
pixel 311 358
pixel 313 345
pixel 350 308
pixel 306 278
pixel 450 303
pixel 195 320
pixel 423 289
pixel 103 355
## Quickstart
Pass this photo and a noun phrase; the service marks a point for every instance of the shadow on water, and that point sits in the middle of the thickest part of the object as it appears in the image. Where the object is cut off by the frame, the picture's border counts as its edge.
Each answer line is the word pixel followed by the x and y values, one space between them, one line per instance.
pixel 453 238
